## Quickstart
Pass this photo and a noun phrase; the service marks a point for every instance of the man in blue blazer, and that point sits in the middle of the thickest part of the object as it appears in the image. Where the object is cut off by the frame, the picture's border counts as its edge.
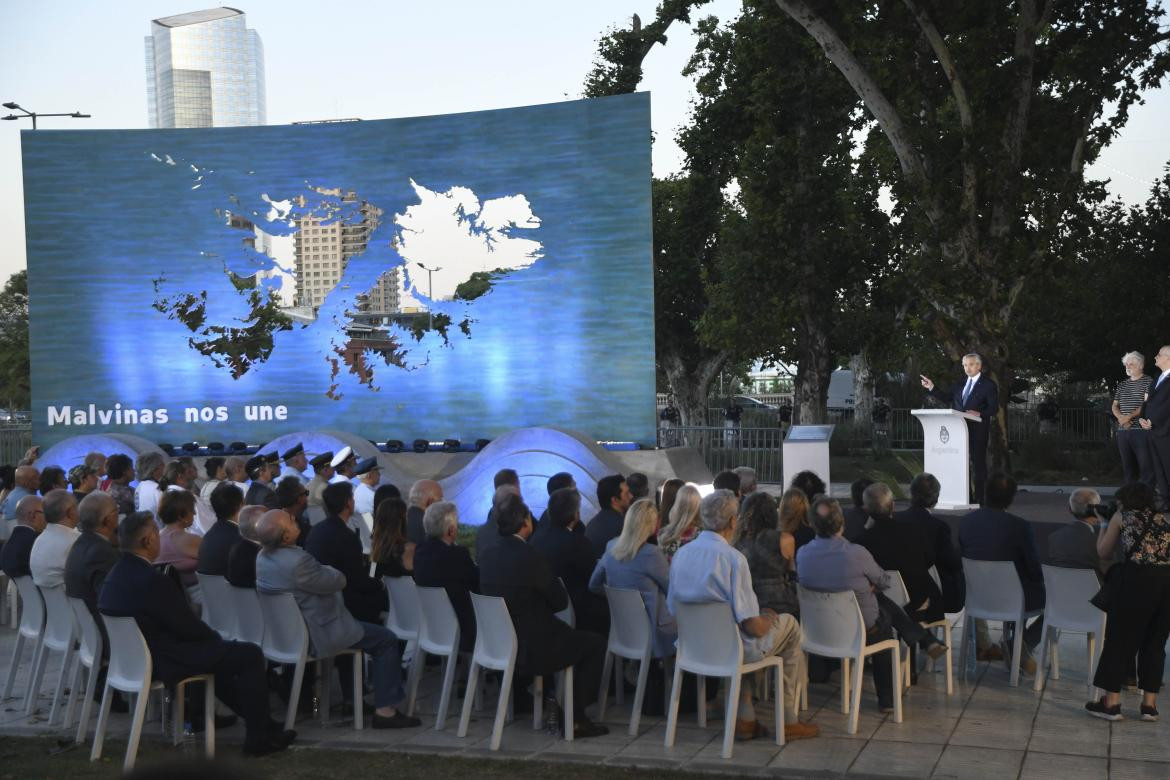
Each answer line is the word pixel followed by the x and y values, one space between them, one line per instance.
pixel 1155 418
pixel 977 394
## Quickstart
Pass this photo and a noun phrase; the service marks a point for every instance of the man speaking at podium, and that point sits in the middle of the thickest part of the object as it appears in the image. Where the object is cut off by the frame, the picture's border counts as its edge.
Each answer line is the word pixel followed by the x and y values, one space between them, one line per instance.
pixel 977 395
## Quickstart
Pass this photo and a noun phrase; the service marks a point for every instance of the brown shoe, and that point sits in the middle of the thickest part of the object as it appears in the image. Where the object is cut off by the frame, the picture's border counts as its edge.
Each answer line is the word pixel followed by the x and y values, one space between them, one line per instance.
pixel 936 650
pixel 990 653
pixel 800 730
pixel 749 729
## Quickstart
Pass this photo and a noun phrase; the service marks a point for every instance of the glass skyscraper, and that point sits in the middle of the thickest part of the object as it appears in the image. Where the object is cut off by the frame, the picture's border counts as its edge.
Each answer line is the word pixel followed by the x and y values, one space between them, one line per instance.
pixel 204 69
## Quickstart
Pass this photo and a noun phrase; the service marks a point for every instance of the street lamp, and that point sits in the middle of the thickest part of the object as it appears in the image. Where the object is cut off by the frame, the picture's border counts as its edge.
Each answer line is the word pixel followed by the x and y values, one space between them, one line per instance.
pixel 430 295
pixel 33 115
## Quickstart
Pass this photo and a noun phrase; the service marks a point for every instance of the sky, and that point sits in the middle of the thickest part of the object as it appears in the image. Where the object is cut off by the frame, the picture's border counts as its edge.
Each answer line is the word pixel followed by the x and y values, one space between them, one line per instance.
pixel 379 60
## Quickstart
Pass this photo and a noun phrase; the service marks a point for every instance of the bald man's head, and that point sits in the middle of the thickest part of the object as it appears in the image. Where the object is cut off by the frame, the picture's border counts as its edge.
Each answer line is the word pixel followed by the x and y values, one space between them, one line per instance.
pixel 30 512
pixel 425 492
pixel 248 519
pixel 28 478
pixel 276 529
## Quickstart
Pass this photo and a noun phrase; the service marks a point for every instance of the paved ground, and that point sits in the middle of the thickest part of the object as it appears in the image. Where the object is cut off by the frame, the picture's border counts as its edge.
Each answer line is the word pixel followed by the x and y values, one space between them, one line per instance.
pixel 984 730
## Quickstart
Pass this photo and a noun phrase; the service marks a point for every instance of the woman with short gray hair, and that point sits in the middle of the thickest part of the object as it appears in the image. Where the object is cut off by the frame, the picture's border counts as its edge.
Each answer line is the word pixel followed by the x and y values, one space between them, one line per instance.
pixel 1128 399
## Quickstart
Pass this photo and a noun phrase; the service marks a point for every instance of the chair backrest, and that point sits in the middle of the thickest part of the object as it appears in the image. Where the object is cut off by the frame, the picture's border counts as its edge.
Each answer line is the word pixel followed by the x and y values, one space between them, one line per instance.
pixel 365 524
pixel 130 664
pixel 403 619
pixel 32 613
pixel 629 623
pixel 438 625
pixel 315 514
pixel 933 570
pixel 249 620
pixel 831 622
pixel 88 636
pixel 286 639
pixel 567 615
pixel 897 592
pixel 218 611
pixel 59 629
pixel 708 639
pixel 1066 599
pixel 993 590
pixel 495 636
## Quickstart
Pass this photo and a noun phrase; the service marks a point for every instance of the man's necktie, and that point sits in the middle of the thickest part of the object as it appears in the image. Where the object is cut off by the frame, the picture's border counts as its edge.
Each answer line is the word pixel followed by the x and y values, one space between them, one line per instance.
pixel 967 390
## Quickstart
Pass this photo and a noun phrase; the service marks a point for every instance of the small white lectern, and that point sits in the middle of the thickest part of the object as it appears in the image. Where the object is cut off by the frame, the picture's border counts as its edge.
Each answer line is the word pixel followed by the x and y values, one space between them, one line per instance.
pixel 806 448
pixel 945 450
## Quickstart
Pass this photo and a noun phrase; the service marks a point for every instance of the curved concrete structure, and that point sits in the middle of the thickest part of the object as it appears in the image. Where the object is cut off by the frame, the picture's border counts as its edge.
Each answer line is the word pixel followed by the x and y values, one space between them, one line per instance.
pixel 316 442
pixel 72 451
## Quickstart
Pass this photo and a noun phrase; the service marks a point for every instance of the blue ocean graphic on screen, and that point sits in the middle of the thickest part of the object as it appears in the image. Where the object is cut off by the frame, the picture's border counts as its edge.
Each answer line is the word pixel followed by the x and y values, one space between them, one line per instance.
pixel 437 277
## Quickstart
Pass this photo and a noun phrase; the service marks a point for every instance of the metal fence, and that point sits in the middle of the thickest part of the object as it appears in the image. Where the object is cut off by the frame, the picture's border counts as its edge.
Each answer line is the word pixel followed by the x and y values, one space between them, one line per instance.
pixel 14 442
pixel 726 448
pixel 1082 426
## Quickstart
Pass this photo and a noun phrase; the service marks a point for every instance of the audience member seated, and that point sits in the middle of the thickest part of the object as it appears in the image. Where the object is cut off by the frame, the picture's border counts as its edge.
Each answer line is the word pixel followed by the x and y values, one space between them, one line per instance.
pixel 856 516
pixel 631 562
pixel 236 469
pixel 226 501
pixel 259 469
pixel 390 551
pixel 181 645
pixel 570 557
pixel 794 518
pixel 748 482
pixel 282 567
pixel 710 569
pixel 96 462
pixel 385 490
pixel 30 522
pixel 991 533
pixel 771 555
pixel 940 547
pixel 120 470
pixel 488 534
pixel 515 571
pixel 241 568
pixel 1074 546
pixel 727 480
pixel 562 479
pixel 368 475
pixel 683 521
pixel 322 473
pixel 292 495
pixel 178 547
pixel 639 485
pixel 423 493
pixel 149 470
pixel 180 474
pixel 667 493
pixel 52 478
pixel 49 551
pixel 295 463
pixel 613 496
pixel 812 486
pixel 1138 603
pixel 27 479
pixel 343 464
pixel 440 562
pixel 83 480
pixel 333 543
pixel 213 467
pixel 898 547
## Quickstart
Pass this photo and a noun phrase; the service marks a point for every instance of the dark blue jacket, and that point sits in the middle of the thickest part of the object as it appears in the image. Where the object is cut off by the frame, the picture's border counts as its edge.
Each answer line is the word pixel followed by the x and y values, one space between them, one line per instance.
pixel 995 535
pixel 216 547
pixel 449 566
pixel 15 554
pixel 335 544
pixel 984 397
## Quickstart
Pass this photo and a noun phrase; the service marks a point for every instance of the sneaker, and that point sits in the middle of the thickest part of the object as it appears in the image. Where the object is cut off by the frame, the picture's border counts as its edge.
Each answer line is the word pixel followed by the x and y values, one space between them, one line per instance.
pixel 399 720
pixel 1149 714
pixel 800 730
pixel 1098 709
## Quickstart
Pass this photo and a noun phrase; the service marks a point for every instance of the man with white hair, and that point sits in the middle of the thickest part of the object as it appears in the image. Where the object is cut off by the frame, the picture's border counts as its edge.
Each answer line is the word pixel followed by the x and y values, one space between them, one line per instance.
pixel 423 493
pixel 747 480
pixel 441 563
pixel 241 567
pixel 710 569
pixel 49 551
pixel 1128 398
pixel 978 395
pixel 1075 545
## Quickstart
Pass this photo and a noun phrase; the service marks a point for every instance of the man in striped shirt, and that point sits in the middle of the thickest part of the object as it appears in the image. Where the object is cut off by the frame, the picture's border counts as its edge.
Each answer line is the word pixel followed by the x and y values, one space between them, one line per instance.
pixel 1132 441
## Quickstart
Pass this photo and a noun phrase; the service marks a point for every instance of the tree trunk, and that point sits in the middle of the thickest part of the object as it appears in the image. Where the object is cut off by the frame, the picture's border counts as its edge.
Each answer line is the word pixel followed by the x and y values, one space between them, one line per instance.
pixel 691 383
pixel 862 387
pixel 814 363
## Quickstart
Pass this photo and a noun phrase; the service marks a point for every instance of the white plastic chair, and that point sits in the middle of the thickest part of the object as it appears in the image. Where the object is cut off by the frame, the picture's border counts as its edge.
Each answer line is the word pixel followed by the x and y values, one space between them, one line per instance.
pixel 217 604
pixel 247 619
pixel 438 635
pixel 495 648
pixel 950 621
pixel 131 671
pixel 709 645
pixel 899 595
pixel 89 655
pixel 994 592
pixel 32 626
pixel 58 637
pixel 403 617
pixel 834 628
pixel 630 636
pixel 365 529
pixel 1067 608
pixel 564 677
pixel 286 641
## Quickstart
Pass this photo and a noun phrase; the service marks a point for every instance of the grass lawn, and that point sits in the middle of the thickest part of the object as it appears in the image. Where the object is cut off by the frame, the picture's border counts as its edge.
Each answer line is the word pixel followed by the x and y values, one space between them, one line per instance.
pixel 31 758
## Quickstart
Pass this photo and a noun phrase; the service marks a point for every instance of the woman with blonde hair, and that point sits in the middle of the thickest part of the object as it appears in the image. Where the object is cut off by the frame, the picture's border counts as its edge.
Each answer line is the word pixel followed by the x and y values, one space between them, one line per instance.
pixel 684 520
pixel 630 562
pixel 795 530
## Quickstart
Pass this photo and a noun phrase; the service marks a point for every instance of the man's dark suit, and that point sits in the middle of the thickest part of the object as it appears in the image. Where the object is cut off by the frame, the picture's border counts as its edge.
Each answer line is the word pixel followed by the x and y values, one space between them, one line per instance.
pixel 995 535
pixel 1075 547
pixel 15 554
pixel 334 543
pixel 855 519
pixel 570 556
pixel 216 546
pixel 941 551
pixel 984 399
pixel 520 574
pixel 182 645
pixel 486 536
pixel 414 526
pixel 89 562
pixel 260 494
pixel 604 526
pixel 241 568
pixel 1157 411
pixel 897 546
pixel 449 566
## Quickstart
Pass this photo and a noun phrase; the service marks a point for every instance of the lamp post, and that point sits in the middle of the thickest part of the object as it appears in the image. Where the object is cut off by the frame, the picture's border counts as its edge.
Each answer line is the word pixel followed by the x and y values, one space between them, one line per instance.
pixel 430 295
pixel 33 115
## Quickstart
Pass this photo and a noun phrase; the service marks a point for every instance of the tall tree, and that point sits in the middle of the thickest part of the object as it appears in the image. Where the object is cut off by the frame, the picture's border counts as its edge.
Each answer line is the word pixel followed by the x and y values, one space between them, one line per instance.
pixel 990 111
pixel 14 366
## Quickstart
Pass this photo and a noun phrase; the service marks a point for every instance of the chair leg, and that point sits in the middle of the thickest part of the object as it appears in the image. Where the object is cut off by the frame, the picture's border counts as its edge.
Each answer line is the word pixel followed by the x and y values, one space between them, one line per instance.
pixel 99 732
pixel 448 688
pixel 1017 646
pixel 567 702
pixel 325 684
pixel 34 681
pixel 179 725
pixel 639 695
pixel 965 644
pixel 87 702
pixel 13 665
pixel 855 704
pixel 898 688
pixel 502 707
pixel 729 713
pixel 537 702
pixel 606 672
pixel 468 698
pixel 135 725
pixel 946 632
pixel 619 688
pixel 358 705
pixel 209 716
pixel 413 677
pixel 672 709
pixel 59 691
pixel 1091 641
pixel 294 695
pixel 779 705
pixel 1055 653
pixel 1043 663
pixel 701 700
pixel 845 685
pixel 74 691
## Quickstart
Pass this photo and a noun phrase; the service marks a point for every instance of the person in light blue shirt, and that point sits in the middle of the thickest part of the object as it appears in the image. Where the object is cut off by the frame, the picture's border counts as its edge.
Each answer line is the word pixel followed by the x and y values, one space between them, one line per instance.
pixel 709 569
pixel 26 479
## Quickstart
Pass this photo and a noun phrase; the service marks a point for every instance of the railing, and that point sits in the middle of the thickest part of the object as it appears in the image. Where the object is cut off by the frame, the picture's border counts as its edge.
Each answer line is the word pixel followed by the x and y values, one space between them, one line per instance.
pixel 1082 426
pixel 15 439
pixel 726 448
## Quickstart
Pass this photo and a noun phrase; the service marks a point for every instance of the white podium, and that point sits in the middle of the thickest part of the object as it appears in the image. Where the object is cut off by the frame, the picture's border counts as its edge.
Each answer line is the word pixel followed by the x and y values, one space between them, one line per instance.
pixel 946 454
pixel 806 448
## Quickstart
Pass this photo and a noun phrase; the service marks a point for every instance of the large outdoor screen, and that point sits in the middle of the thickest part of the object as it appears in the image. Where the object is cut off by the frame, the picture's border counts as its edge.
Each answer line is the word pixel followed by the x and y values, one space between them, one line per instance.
pixel 436 277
